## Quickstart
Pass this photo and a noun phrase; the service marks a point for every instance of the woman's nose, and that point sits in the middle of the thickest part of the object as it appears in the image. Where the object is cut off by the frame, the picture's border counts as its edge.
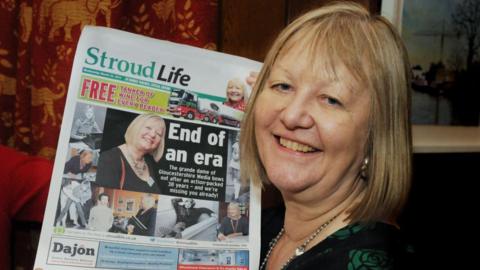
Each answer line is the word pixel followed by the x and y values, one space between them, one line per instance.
pixel 152 133
pixel 297 112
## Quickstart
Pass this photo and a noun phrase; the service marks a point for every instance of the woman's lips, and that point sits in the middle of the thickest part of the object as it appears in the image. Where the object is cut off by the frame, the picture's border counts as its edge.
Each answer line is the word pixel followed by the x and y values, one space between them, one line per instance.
pixel 296 146
pixel 148 140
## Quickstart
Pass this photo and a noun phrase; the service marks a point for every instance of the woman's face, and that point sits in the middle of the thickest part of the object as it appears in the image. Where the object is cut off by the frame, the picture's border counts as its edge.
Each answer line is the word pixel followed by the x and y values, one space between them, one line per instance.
pixel 188 204
pixel 89 113
pixel 310 131
pixel 147 202
pixel 150 135
pixel 87 158
pixel 234 91
pixel 233 212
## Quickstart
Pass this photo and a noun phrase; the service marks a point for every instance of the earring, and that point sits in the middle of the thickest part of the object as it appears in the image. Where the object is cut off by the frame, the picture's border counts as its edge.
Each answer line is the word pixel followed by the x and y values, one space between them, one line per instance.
pixel 363 169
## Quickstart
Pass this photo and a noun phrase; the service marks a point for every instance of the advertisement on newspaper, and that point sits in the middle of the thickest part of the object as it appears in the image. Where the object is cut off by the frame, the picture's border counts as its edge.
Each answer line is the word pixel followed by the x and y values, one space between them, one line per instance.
pixel 147 173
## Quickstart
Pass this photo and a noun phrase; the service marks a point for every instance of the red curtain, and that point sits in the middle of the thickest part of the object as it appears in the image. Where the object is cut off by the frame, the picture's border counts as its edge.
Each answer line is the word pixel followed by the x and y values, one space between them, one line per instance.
pixel 37 45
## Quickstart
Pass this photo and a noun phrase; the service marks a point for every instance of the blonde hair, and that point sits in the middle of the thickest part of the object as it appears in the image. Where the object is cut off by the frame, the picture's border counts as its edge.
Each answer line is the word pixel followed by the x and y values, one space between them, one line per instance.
pixel 135 127
pixel 371 50
pixel 238 82
pixel 235 206
pixel 85 152
pixel 148 201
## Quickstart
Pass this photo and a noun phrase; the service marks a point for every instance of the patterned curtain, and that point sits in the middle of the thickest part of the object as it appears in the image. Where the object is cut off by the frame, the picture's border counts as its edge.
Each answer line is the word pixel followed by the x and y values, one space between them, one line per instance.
pixel 37 44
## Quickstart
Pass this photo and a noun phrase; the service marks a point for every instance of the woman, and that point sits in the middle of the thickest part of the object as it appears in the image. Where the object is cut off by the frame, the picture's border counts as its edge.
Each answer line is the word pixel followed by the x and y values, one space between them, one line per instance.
pixel 143 223
pixel 131 166
pixel 328 125
pixel 187 213
pixel 80 163
pixel 236 92
pixel 86 125
pixel 234 224
pixel 72 199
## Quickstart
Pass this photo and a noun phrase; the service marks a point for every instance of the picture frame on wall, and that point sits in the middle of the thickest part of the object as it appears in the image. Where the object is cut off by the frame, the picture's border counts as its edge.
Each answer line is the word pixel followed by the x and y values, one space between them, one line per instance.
pixel 445 71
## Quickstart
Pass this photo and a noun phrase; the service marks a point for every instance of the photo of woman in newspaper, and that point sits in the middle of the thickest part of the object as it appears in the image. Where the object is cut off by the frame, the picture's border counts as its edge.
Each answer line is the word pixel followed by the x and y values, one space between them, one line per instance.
pixel 79 163
pixel 236 94
pixel 234 227
pixel 75 195
pixel 187 218
pixel 86 132
pixel 143 223
pixel 85 124
pixel 131 165
pixel 188 214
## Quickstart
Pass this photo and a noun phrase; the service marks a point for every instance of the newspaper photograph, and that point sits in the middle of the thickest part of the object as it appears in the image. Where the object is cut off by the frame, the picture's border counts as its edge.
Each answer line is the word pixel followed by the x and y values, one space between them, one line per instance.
pixel 147 170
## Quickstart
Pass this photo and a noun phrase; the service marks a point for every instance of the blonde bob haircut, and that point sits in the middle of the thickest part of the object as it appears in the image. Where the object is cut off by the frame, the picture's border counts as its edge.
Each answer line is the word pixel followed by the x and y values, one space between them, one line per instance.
pixel 148 201
pixel 238 83
pixel 135 127
pixel 374 54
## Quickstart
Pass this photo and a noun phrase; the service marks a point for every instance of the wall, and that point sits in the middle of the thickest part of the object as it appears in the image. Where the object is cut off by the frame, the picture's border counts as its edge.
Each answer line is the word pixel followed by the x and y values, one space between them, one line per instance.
pixel 248 27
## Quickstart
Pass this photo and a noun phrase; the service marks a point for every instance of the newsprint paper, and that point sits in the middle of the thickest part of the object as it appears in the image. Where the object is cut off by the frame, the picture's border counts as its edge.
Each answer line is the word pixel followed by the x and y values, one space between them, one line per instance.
pixel 147 168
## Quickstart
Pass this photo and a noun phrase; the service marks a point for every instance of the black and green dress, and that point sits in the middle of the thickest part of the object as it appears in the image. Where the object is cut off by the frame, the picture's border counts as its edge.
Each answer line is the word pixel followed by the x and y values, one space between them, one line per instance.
pixel 375 246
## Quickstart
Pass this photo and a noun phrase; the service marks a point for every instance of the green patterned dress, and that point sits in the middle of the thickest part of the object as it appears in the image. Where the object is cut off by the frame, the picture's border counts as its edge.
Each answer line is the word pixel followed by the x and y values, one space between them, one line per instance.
pixel 376 246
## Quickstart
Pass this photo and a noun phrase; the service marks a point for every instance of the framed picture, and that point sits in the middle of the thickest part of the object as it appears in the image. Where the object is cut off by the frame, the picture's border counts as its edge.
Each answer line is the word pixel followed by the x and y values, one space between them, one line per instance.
pixel 444 54
pixel 130 205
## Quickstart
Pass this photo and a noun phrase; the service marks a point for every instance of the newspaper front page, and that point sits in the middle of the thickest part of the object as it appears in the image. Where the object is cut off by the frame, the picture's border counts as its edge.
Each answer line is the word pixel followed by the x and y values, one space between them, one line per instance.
pixel 146 174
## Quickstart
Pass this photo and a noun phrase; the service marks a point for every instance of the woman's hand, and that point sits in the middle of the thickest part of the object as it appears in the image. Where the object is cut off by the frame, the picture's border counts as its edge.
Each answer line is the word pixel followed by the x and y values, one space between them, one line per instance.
pixel 233 235
pixel 130 228
pixel 221 237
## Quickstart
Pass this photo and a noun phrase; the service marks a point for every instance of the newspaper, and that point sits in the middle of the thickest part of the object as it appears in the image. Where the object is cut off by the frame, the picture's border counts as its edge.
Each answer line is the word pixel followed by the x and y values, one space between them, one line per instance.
pixel 146 174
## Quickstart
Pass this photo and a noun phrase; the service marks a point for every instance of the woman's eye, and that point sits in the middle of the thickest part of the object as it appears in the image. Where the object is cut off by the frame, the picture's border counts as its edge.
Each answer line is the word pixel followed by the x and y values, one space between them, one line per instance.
pixel 333 101
pixel 281 87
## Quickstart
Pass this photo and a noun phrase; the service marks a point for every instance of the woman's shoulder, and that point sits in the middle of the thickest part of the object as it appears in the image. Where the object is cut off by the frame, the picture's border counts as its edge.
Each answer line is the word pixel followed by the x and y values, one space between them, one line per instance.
pixel 108 161
pixel 78 122
pixel 111 153
pixel 359 228
pixel 114 150
pixel 371 244
pixel 358 246
pixel 151 211
pixel 369 234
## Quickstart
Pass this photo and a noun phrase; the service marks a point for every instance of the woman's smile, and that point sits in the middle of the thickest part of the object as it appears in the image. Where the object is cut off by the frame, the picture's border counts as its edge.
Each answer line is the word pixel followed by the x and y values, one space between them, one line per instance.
pixel 310 129
pixel 295 146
